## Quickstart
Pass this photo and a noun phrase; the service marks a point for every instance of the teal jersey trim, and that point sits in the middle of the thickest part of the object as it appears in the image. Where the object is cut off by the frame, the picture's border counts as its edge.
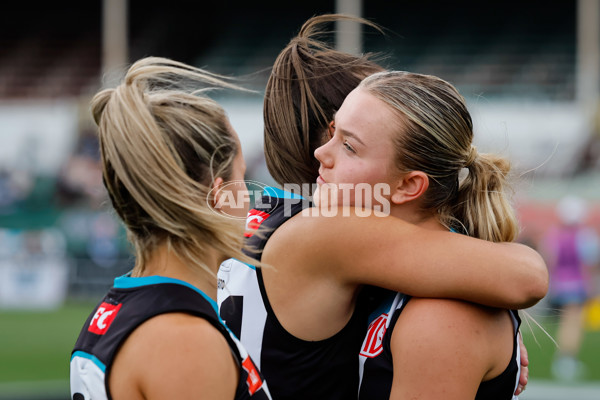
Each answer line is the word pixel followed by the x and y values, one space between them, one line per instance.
pixel 127 282
pixel 246 264
pixel 90 357
pixel 280 194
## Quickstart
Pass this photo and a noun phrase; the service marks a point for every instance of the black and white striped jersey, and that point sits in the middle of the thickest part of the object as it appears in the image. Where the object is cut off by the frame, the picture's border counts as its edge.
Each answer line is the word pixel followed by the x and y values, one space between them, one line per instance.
pixel 129 303
pixel 294 368
pixel 376 363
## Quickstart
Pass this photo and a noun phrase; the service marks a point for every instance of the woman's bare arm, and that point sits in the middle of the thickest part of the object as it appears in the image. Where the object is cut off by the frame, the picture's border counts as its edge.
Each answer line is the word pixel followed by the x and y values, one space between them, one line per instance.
pixel 391 253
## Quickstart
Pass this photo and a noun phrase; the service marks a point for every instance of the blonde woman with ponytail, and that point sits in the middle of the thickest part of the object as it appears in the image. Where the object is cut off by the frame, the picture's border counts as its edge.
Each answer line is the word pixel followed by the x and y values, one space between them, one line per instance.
pixel 304 320
pixel 414 133
pixel 170 157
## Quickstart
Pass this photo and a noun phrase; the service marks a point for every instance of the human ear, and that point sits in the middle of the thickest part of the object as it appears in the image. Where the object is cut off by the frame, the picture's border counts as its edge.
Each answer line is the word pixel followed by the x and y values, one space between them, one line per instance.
pixel 410 187
pixel 216 190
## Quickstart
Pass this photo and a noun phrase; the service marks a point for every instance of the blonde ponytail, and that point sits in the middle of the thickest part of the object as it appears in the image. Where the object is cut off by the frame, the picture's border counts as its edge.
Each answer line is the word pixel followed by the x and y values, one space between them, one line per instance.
pixel 162 144
pixel 483 205
pixel 436 138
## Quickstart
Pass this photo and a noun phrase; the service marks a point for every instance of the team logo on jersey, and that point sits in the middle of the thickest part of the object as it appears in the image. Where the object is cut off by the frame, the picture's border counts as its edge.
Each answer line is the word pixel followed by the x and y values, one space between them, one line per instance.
pixel 253 381
pixel 104 316
pixel 254 220
pixel 373 344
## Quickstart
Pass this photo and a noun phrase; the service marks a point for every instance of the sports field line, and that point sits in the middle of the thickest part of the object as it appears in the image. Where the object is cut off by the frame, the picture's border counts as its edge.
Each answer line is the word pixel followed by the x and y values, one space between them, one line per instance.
pixel 552 390
pixel 35 390
pixel 536 390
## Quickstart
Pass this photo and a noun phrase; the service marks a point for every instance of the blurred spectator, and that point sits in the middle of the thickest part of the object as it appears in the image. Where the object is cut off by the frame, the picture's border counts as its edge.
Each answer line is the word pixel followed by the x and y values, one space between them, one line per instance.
pixel 103 244
pixel 570 248
pixel 80 179
pixel 15 185
pixel 33 269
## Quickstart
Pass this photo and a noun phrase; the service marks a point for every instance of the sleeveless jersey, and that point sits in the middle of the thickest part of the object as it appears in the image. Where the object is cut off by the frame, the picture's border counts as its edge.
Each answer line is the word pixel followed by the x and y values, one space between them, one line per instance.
pixel 129 303
pixel 269 213
pixel 376 364
pixel 294 368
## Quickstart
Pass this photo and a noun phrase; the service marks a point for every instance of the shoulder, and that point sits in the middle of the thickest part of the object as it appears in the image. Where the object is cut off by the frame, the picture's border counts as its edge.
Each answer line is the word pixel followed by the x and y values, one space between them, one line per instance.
pixel 449 314
pixel 442 307
pixel 454 332
pixel 440 349
pixel 292 239
pixel 438 324
pixel 172 329
pixel 176 353
pixel 179 334
pixel 307 240
pixel 327 235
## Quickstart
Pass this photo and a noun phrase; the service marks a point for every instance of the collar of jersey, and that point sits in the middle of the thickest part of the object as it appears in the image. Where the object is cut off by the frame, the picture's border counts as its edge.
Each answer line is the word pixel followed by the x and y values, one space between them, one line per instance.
pixel 279 193
pixel 127 281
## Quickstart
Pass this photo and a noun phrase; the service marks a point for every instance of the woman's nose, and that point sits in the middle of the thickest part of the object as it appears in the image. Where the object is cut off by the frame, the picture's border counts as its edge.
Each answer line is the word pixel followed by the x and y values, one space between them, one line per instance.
pixel 322 154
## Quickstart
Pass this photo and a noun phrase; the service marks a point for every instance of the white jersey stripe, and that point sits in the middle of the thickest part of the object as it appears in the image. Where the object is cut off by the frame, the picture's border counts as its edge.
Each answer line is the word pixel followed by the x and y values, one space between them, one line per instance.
pixel 239 279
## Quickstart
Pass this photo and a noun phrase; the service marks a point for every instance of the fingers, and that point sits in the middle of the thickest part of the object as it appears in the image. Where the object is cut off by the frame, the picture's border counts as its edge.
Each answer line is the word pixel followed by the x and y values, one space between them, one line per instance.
pixel 524 376
pixel 524 355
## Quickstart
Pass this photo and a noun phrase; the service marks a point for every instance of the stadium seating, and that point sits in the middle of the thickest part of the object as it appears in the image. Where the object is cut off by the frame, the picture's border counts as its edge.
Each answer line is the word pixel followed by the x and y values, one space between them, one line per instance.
pixel 508 56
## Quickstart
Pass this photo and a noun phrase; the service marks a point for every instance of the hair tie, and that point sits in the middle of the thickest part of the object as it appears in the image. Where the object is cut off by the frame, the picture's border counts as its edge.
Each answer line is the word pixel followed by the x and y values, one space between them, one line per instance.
pixel 471 157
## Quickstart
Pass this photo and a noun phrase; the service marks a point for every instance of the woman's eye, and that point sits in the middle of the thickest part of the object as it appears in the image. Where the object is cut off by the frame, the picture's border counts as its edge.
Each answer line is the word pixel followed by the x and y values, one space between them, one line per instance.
pixel 349 147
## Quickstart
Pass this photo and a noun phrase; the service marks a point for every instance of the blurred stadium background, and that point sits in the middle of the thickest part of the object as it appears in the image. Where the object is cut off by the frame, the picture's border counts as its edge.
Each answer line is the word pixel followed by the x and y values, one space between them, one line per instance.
pixel 528 69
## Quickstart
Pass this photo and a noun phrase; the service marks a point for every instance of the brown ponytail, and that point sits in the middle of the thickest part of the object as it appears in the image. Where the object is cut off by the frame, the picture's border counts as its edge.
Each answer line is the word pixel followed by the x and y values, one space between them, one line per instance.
pixel 307 85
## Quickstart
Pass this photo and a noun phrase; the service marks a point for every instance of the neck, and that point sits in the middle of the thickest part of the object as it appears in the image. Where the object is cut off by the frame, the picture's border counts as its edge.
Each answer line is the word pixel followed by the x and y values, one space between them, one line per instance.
pixel 411 213
pixel 165 262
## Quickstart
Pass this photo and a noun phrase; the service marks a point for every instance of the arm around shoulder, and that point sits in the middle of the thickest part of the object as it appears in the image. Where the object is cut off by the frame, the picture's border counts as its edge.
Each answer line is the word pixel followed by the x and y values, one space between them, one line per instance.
pixel 394 254
pixel 532 287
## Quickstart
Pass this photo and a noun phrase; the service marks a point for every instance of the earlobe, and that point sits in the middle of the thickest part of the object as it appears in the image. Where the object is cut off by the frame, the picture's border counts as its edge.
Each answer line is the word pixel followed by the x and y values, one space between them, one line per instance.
pixel 216 190
pixel 410 187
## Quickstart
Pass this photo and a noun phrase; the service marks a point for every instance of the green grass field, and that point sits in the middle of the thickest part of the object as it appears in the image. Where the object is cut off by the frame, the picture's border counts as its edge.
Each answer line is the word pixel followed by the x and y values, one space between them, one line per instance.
pixel 541 349
pixel 36 345
pixel 35 348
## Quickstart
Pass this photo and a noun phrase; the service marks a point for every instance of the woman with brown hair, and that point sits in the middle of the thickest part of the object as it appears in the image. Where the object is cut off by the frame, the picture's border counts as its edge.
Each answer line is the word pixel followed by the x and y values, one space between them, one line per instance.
pixel 303 320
